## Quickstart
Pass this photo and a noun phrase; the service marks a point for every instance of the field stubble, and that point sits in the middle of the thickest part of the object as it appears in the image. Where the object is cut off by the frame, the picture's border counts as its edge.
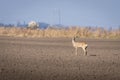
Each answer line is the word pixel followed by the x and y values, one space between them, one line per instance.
pixel 55 59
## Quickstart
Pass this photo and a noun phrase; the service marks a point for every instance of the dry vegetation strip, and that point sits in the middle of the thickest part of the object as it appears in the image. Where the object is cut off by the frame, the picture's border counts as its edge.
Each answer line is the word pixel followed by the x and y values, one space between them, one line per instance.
pixel 83 32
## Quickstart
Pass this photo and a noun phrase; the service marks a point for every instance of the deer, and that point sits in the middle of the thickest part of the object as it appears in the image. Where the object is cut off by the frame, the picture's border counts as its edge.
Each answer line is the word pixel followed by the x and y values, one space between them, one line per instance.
pixel 77 45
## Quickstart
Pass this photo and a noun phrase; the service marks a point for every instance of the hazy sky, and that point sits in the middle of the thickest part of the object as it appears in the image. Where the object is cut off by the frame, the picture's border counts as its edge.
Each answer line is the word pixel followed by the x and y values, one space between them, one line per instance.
pixel 73 12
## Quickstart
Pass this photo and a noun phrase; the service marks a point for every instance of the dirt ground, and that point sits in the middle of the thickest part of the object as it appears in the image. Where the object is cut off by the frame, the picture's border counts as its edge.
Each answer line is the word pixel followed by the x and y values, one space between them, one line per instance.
pixel 55 59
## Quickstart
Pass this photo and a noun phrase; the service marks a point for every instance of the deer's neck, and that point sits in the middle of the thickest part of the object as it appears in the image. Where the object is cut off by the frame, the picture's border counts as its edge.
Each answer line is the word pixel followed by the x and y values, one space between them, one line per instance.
pixel 73 41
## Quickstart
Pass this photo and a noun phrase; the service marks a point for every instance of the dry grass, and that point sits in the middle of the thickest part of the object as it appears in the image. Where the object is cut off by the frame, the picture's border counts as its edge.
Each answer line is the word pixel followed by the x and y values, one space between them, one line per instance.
pixel 82 32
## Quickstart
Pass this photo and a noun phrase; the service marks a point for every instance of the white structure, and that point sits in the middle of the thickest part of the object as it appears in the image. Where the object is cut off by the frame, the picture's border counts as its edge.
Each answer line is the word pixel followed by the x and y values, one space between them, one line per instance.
pixel 33 25
pixel 76 45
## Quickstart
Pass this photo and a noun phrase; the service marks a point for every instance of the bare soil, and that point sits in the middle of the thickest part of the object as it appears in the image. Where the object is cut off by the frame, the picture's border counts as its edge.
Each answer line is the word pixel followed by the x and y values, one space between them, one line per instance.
pixel 55 59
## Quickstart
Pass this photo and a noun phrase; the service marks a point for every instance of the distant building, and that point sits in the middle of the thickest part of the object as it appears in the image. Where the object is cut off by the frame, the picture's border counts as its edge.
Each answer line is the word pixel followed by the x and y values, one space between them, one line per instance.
pixel 33 25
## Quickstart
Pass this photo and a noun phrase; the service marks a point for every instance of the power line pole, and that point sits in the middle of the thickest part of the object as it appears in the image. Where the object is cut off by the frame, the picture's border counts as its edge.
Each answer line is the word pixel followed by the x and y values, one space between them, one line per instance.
pixel 59 16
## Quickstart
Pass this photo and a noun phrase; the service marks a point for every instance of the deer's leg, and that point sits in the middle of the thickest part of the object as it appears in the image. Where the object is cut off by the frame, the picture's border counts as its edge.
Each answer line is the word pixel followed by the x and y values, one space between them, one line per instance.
pixel 76 51
pixel 84 49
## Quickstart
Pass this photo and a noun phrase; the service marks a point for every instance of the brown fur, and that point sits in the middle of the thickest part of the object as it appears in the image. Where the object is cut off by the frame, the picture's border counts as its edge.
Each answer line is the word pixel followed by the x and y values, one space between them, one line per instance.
pixel 83 45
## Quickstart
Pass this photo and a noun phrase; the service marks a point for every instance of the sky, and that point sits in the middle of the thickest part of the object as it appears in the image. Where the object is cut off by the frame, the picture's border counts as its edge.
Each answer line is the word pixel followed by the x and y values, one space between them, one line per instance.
pixel 103 13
